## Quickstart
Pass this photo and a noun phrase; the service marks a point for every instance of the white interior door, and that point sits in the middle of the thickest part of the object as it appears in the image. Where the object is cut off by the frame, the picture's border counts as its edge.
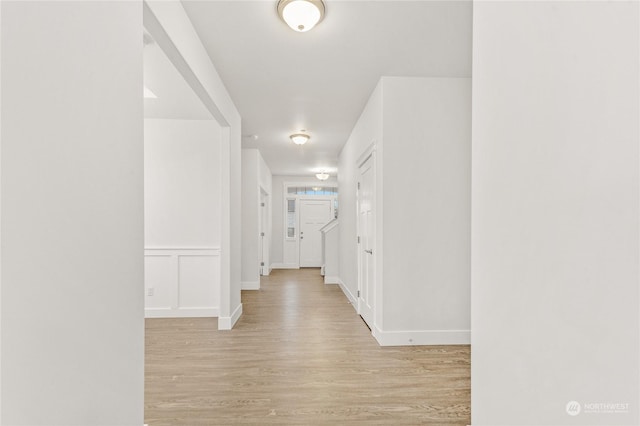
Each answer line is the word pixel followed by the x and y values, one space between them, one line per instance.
pixel 314 214
pixel 366 237
pixel 264 234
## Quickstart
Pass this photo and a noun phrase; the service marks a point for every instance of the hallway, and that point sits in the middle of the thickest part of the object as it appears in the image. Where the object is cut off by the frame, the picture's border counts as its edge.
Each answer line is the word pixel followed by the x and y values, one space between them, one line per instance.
pixel 298 355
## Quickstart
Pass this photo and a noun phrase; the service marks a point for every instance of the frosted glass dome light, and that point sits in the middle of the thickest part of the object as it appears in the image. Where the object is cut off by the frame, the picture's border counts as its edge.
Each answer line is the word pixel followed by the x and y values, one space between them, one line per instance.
pixel 301 15
pixel 322 175
pixel 299 138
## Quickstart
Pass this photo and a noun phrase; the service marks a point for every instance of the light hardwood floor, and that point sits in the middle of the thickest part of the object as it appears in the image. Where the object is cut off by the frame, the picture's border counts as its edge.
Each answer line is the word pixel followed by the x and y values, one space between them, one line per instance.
pixel 299 355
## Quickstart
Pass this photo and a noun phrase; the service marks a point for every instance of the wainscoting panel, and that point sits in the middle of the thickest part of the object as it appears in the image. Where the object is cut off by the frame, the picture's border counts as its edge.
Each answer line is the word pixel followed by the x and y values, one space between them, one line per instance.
pixel 182 282
pixel 159 281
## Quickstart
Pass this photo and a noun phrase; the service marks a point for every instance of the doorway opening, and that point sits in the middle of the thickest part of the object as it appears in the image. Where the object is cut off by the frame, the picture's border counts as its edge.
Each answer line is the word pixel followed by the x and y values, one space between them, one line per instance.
pixel 307 208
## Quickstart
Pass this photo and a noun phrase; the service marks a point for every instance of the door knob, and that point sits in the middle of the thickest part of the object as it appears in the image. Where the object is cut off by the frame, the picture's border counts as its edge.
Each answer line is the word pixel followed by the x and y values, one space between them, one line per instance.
pixel 369 251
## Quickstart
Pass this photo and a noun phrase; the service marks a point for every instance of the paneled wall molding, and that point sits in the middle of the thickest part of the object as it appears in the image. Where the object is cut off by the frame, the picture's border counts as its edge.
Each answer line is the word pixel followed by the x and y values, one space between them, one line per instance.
pixel 182 282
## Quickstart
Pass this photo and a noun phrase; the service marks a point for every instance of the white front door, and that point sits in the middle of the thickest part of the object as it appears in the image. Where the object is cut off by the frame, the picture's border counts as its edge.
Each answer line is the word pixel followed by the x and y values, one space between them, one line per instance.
pixel 366 234
pixel 314 214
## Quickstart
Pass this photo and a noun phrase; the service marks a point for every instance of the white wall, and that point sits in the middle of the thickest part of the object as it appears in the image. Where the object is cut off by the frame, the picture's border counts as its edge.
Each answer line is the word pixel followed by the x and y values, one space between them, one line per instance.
pixel 421 131
pixel 171 28
pixel 0 214
pixel 182 217
pixel 284 254
pixel 427 207
pixel 250 277
pixel 182 183
pixel 255 176
pixel 367 131
pixel 265 179
pixel 555 212
pixel 72 213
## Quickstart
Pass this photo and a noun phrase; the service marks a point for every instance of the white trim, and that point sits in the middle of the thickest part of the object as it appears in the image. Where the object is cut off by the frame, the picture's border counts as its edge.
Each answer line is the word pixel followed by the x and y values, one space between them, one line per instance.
pixel 227 323
pixel 181 313
pixel 421 337
pixel 331 280
pixel 191 251
pixel 250 285
pixel 182 248
pixel 264 231
pixel 330 225
pixel 347 293
pixel 284 266
pixel 369 155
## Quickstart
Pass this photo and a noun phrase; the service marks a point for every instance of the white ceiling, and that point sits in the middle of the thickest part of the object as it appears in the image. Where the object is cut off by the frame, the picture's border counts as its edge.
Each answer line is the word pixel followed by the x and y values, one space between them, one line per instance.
pixel 283 81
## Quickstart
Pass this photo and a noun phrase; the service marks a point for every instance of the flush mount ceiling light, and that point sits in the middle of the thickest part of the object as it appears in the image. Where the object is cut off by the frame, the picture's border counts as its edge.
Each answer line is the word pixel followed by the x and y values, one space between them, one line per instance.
pixel 300 138
pixel 301 15
pixel 322 175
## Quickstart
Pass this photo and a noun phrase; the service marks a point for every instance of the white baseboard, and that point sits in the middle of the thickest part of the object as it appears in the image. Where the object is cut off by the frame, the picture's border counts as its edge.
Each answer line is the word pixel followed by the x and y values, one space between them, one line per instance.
pixel 227 323
pixel 285 266
pixel 328 279
pixel 181 313
pixel 347 293
pixel 250 285
pixel 422 337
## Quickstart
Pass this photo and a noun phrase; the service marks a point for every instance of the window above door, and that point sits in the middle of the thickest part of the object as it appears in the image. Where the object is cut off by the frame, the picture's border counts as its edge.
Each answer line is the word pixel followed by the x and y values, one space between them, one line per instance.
pixel 313 190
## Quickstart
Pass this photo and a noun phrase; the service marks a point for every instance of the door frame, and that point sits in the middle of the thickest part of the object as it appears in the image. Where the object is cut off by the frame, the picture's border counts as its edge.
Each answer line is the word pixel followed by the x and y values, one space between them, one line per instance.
pixel 285 197
pixel 264 237
pixel 370 152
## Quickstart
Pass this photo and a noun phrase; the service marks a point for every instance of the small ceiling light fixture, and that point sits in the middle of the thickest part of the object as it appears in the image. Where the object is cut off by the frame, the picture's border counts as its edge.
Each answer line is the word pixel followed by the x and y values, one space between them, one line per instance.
pixel 301 15
pixel 322 175
pixel 300 138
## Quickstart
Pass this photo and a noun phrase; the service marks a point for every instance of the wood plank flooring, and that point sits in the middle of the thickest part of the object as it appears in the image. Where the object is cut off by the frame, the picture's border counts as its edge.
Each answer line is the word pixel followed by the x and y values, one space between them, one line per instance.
pixel 299 355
